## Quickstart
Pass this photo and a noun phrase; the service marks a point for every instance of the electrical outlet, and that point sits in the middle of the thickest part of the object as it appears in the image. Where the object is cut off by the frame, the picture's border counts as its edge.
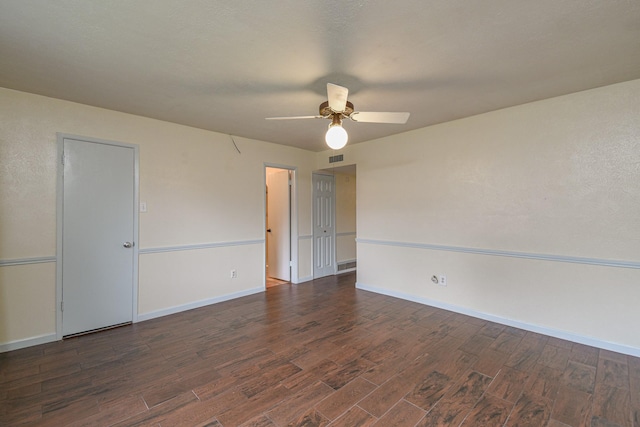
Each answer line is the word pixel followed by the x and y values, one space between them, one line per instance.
pixel 234 274
pixel 443 280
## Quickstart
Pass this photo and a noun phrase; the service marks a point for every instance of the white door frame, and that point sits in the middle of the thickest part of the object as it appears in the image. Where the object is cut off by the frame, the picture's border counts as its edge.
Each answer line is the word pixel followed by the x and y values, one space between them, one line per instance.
pixel 294 220
pixel 59 220
pixel 278 235
pixel 313 221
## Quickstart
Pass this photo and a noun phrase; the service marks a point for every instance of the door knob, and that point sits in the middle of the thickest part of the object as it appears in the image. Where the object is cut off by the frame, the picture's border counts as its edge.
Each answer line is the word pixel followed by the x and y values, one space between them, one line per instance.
pixel 128 244
pixel 268 230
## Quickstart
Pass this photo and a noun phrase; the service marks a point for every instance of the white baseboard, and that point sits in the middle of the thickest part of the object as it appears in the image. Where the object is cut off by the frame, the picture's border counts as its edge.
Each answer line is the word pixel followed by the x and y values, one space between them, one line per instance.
pixel 197 304
pixel 27 342
pixel 304 279
pixel 43 339
pixel 594 342
pixel 619 348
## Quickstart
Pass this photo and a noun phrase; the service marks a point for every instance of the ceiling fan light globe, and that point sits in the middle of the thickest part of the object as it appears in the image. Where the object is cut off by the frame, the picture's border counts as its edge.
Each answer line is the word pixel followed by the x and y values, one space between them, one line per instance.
pixel 336 137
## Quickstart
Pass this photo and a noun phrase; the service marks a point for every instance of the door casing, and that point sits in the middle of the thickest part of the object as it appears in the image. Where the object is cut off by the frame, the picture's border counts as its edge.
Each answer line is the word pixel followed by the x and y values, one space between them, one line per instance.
pixel 294 220
pixel 331 269
pixel 59 220
pixel 278 234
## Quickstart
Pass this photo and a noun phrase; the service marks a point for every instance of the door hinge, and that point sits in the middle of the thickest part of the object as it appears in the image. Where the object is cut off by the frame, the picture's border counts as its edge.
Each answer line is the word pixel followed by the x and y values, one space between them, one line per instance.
pixel 290 263
pixel 61 305
pixel 62 159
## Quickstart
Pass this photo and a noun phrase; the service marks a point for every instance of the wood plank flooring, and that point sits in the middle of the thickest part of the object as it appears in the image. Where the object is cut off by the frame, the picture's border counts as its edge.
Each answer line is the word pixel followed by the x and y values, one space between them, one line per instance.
pixel 272 281
pixel 318 354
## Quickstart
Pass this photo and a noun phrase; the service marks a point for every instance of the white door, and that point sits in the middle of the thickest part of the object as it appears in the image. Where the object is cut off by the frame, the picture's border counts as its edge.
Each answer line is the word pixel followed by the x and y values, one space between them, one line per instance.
pixel 279 223
pixel 98 235
pixel 324 231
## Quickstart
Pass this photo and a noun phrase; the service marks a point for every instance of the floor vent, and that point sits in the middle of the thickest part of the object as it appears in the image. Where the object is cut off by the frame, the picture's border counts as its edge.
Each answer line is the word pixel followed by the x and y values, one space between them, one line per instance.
pixel 347 266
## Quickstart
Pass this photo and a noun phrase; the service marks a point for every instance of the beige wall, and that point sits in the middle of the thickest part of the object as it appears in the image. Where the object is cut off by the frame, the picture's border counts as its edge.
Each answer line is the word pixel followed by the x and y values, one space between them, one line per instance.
pixel 199 191
pixel 345 217
pixel 532 212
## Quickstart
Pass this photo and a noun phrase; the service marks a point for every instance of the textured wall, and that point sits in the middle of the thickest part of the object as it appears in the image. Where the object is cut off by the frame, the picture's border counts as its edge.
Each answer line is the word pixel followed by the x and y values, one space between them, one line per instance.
pixel 198 189
pixel 555 184
pixel 345 217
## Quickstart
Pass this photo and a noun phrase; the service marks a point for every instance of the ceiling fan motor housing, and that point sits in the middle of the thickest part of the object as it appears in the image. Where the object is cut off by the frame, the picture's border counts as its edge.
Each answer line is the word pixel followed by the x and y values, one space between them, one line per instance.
pixel 326 111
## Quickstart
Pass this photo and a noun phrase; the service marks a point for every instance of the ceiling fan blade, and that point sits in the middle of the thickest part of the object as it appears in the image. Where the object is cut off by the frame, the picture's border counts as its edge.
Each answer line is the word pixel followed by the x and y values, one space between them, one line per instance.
pixel 337 96
pixel 294 117
pixel 377 117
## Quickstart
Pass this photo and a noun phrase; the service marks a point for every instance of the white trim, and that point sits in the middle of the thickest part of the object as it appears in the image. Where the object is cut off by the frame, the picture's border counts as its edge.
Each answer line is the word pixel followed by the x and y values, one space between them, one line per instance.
pixel 199 246
pixel 295 249
pixel 59 217
pixel 59 223
pixel 25 261
pixel 197 304
pixel 293 207
pixel 591 341
pixel 136 228
pixel 511 254
pixel 43 339
pixel 304 279
pixel 27 342
pixel 314 179
pixel 305 237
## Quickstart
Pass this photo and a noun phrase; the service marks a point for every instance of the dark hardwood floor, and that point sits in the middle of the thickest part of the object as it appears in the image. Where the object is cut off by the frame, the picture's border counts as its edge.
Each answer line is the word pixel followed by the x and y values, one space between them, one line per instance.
pixel 316 354
pixel 272 281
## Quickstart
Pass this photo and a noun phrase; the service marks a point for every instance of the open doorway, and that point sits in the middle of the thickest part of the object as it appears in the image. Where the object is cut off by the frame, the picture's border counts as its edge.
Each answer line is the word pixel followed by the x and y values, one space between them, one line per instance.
pixel 337 254
pixel 278 222
pixel 346 231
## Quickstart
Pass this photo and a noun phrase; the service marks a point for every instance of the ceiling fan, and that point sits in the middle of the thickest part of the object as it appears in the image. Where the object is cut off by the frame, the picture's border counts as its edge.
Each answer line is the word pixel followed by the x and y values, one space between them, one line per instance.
pixel 338 108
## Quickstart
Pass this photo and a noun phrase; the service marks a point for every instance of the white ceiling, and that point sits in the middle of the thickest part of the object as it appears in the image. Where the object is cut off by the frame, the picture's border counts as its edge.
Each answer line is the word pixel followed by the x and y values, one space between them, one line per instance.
pixel 226 65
